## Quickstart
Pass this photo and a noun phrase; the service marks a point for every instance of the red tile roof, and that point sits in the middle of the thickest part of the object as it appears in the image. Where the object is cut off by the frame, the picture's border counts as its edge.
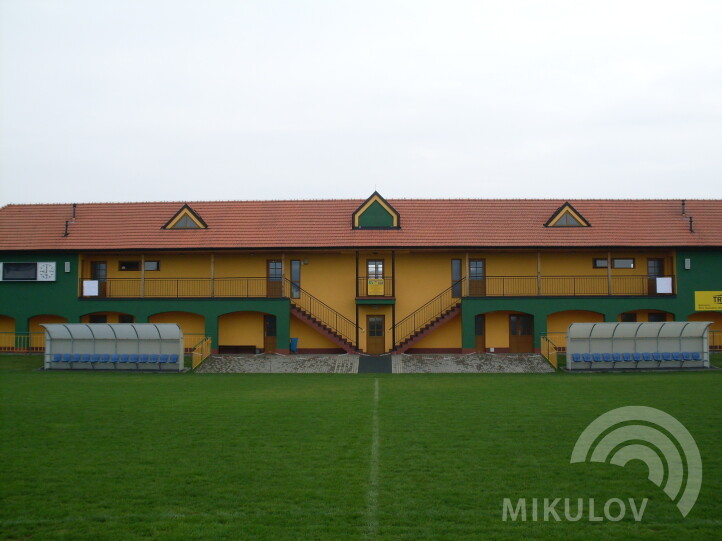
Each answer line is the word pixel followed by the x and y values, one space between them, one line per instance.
pixel 327 224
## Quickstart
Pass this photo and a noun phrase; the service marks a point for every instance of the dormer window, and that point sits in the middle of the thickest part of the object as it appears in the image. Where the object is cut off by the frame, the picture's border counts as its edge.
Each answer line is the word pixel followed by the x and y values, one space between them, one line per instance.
pixel 186 218
pixel 566 216
pixel 376 213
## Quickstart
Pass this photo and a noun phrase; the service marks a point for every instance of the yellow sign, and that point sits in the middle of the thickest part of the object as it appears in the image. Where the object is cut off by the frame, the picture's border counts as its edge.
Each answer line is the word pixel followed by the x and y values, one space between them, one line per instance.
pixel 376 287
pixel 708 300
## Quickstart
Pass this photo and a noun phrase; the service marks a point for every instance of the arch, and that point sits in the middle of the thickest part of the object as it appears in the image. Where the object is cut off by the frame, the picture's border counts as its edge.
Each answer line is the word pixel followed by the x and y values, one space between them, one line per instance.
pixel 715 336
pixel 241 332
pixel 7 333
pixel 192 325
pixel 110 317
pixel 645 315
pixel 558 323
pixel 36 338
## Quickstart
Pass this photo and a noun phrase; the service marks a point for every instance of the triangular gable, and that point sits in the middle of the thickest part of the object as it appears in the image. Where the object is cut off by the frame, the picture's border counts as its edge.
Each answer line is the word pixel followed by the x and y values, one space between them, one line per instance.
pixel 186 218
pixel 376 213
pixel 567 216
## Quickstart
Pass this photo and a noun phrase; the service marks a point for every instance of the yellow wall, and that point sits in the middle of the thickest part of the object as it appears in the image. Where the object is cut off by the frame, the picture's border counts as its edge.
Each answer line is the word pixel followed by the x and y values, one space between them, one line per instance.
pixel 308 338
pixel 558 324
pixel 497 329
pixel 447 335
pixel 329 277
pixel 420 277
pixel 241 329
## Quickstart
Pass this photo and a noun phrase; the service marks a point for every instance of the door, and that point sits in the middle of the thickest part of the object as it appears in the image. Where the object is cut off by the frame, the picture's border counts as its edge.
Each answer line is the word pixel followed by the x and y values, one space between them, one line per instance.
pixel 269 333
pixel 477 283
pixel 99 272
pixel 375 338
pixel 295 278
pixel 655 269
pixel 521 333
pixel 456 278
pixel 375 277
pixel 479 331
pixel 274 277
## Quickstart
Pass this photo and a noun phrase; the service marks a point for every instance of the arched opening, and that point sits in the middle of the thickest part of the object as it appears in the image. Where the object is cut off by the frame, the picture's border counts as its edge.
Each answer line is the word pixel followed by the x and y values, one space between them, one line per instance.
pixel 36 338
pixel 246 332
pixel 715 330
pixel 107 317
pixel 192 325
pixel 7 333
pixel 645 316
pixel 558 324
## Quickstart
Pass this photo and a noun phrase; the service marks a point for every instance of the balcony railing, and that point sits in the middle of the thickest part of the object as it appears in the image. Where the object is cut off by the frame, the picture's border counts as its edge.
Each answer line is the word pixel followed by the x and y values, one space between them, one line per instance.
pixel 549 286
pixel 490 286
pixel 369 286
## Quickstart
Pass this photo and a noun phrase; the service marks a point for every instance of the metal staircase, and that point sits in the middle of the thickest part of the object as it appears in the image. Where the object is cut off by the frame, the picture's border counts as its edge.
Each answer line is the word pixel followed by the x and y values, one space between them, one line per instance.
pixel 445 306
pixel 321 317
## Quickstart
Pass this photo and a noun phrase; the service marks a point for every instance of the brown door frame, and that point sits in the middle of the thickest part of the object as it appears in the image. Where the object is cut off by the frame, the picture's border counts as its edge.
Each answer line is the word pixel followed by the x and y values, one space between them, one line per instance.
pixel 102 283
pixel 477 288
pixel 652 278
pixel 274 287
pixel 269 333
pixel 517 344
pixel 379 344
pixel 480 339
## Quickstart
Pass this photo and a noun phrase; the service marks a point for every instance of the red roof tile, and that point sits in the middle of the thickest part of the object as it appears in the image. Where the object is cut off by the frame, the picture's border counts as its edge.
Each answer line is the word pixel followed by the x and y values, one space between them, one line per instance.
pixel 327 224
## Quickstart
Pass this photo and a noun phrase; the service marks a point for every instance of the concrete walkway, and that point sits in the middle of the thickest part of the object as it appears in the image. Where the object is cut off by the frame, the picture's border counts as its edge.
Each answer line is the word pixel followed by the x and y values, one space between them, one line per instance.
pixel 474 363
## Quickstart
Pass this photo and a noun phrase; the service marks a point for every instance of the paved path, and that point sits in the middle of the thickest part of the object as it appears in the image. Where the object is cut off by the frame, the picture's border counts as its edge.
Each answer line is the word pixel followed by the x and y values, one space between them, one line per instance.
pixel 474 363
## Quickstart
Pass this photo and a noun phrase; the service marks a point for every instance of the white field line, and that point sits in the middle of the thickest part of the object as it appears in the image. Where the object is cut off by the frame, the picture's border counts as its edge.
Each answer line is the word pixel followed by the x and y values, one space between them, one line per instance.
pixel 372 495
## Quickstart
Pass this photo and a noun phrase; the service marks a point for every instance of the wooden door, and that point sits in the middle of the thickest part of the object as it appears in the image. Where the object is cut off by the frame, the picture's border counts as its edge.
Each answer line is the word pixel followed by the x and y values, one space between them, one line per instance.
pixel 375 336
pixel 521 333
pixel 655 269
pixel 456 278
pixel 99 272
pixel 477 278
pixel 274 278
pixel 269 333
pixel 479 333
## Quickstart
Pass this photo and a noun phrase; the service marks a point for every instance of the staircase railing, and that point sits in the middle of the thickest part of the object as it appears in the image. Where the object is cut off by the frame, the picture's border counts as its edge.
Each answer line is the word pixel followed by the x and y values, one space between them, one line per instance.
pixel 427 313
pixel 321 312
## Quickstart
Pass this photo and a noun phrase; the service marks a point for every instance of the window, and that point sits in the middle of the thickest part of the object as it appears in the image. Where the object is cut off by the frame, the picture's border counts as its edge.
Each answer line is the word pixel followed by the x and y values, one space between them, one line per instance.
pixel 295 278
pixel 567 220
pixel 98 318
pixel 126 318
pixel 186 222
pixel 20 271
pixel 129 266
pixel 600 263
pixel 151 265
pixel 628 317
pixel 375 268
pixel 622 263
pixel 656 317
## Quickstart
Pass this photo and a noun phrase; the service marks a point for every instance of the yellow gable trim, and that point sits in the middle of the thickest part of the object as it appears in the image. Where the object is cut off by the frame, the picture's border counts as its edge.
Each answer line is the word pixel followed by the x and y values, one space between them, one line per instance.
pixel 183 213
pixel 375 199
pixel 567 210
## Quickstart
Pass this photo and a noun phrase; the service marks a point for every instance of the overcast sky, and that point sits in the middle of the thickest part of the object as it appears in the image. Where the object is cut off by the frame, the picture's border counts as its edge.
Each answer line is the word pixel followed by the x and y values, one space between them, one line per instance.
pixel 134 100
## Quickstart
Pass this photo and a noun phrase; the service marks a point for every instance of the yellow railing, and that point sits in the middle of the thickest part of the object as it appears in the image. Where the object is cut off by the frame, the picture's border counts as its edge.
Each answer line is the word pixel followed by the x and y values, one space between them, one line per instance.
pixel 22 342
pixel 201 352
pixel 549 351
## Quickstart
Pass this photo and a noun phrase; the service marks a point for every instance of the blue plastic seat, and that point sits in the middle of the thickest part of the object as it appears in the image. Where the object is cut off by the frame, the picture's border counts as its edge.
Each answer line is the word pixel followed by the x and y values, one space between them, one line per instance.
pixel 617 357
pixel 58 358
pixel 686 356
pixel 576 357
pixel 144 358
pixel 667 356
pixel 608 357
pixel 696 356
pixel 67 357
pixel 115 358
pixel 164 358
pixel 587 357
pixel 648 356
pixel 155 358
pixel 627 357
pixel 124 358
pixel 657 356
pixel 105 358
pixel 173 359
pixel 638 357
pixel 134 358
pixel 95 358
pixel 677 355
pixel 77 357
pixel 597 357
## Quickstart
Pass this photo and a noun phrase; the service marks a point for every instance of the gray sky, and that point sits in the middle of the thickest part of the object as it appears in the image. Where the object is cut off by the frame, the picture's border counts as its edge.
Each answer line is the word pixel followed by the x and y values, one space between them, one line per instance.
pixel 134 100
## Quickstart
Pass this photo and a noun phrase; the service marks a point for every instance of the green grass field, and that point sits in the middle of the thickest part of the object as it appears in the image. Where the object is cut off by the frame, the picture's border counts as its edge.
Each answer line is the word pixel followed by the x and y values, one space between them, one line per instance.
pixel 191 456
